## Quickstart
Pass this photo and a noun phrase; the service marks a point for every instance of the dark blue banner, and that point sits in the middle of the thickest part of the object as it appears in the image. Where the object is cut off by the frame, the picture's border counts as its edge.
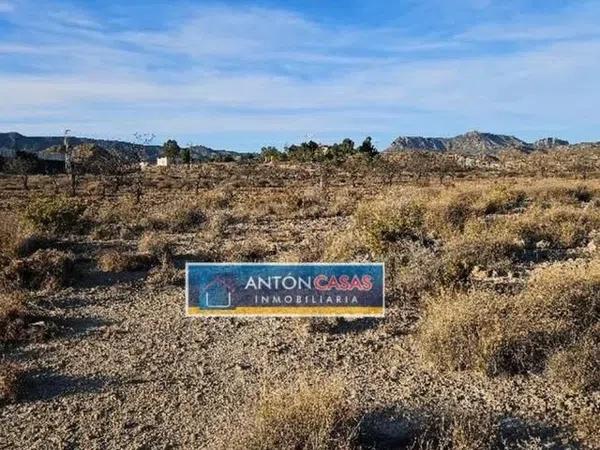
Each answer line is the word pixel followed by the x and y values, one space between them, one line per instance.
pixel 273 289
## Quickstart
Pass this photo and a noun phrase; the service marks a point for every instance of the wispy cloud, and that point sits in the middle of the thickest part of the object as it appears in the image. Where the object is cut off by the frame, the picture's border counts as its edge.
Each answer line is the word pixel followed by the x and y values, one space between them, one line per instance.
pixel 221 71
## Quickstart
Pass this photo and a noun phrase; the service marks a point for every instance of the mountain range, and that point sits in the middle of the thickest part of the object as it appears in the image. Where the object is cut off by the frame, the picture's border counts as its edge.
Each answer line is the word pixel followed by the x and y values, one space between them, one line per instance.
pixel 10 142
pixel 470 143
pixel 473 143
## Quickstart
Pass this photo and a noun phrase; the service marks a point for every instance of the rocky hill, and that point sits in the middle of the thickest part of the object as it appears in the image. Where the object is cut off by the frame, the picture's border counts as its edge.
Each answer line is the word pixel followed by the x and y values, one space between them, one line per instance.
pixel 549 142
pixel 471 143
pixel 10 142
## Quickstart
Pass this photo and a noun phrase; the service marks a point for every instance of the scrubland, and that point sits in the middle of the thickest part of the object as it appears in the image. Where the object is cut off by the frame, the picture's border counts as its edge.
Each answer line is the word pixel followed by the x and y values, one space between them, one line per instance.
pixel 490 340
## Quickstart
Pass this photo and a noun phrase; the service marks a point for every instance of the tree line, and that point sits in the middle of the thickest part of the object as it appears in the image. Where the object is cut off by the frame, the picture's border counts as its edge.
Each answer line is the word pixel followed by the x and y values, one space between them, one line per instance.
pixel 311 151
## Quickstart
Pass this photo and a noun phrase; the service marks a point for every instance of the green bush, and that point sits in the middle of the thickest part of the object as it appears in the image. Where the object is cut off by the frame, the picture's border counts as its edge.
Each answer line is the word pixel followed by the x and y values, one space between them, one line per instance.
pixel 382 223
pixel 56 215
pixel 501 199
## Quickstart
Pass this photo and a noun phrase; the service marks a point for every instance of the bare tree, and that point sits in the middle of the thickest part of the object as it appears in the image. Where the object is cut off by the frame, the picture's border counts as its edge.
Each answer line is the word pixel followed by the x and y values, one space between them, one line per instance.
pixel 23 165
pixel 70 168
pixel 142 140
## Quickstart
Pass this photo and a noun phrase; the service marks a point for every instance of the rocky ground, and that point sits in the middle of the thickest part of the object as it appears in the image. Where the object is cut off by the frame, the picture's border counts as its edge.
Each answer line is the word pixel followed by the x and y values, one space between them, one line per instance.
pixel 128 369
pixel 124 367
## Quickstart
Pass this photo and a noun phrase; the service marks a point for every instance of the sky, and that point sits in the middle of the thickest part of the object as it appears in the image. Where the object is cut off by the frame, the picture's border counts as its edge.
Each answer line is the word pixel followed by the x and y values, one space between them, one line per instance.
pixel 244 74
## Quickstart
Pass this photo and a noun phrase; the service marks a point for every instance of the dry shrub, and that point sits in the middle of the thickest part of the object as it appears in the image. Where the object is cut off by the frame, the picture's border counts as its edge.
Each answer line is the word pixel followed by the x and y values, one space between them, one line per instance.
pixel 479 246
pixel 218 223
pixel 461 330
pixel 165 274
pixel 287 203
pixel 309 203
pixel 217 198
pixel 567 295
pixel 250 250
pixel 581 193
pixel 413 269
pixel 58 215
pixel 18 239
pixel 120 261
pixel 179 216
pixel 157 246
pixel 344 202
pixel 386 222
pixel 559 226
pixel 492 333
pixel 45 269
pixel 450 213
pixel 500 199
pixel 10 383
pixel 309 250
pixel 311 413
pixel 458 429
pixel 578 366
pixel 123 211
pixel 562 191
pixel 13 324
pixel 349 246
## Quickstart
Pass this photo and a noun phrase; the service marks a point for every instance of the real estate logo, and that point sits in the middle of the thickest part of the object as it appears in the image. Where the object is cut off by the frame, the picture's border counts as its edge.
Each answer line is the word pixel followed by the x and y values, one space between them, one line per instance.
pixel 282 289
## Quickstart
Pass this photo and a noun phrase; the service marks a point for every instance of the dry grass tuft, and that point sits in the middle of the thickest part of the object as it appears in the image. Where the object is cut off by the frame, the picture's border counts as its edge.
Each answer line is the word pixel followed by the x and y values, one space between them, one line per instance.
pixel 250 250
pixel 459 430
pixel 120 261
pixel 217 198
pixel 13 324
pixel 578 366
pixel 157 246
pixel 180 216
pixel 385 222
pixel 308 414
pixel 45 269
pixel 18 239
pixel 166 274
pixel 492 333
pixel 500 199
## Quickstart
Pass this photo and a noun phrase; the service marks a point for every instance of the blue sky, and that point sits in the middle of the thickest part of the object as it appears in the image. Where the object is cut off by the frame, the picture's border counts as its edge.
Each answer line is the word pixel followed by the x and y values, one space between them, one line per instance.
pixel 243 74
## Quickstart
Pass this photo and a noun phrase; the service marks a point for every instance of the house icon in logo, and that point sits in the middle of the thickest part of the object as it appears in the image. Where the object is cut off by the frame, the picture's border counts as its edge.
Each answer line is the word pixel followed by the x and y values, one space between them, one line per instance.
pixel 217 293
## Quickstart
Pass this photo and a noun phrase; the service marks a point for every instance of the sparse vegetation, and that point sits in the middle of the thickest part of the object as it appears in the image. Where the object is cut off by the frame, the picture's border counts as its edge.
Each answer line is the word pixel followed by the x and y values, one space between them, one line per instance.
pixel 483 276
pixel 309 413
pixel 45 269
pixel 55 215
pixel 484 331
pixel 12 317
pixel 121 261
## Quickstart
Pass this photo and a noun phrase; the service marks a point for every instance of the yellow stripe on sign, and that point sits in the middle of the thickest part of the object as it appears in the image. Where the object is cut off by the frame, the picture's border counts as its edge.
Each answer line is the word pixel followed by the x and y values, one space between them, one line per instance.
pixel 374 311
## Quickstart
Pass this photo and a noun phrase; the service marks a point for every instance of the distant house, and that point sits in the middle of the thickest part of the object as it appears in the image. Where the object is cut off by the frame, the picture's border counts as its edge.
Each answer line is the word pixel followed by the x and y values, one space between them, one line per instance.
pixel 165 161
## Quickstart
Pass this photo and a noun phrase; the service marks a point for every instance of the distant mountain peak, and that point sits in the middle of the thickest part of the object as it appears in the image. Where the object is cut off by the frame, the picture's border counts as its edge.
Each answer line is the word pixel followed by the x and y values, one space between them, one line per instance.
pixel 470 143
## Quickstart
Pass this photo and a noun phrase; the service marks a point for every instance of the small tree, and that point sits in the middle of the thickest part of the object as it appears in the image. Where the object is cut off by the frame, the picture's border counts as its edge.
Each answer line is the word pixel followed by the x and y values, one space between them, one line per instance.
pixel 271 153
pixel 347 146
pixel 186 156
pixel 367 147
pixel 141 140
pixel 171 149
pixel 24 164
